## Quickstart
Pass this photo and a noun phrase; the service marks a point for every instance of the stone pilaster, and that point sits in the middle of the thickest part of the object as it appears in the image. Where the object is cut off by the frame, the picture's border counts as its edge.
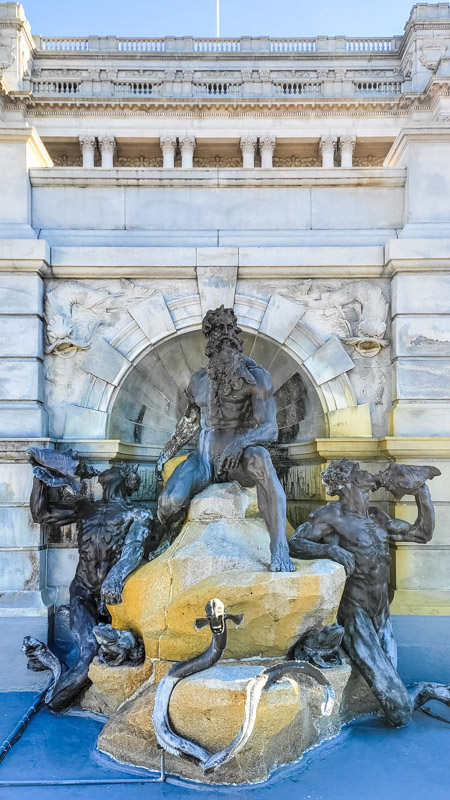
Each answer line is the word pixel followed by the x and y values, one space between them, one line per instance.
pixel 267 146
pixel 347 145
pixel 107 145
pixel 187 147
pixel 168 145
pixel 327 146
pixel 248 147
pixel 24 603
pixel 87 147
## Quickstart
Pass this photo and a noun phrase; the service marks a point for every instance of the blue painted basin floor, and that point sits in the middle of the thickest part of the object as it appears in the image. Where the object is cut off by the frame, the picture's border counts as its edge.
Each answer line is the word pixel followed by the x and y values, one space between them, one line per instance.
pixel 56 758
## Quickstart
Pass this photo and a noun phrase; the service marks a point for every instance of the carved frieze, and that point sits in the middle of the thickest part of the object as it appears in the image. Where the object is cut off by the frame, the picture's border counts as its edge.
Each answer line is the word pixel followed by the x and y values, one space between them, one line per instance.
pixel 67 161
pixel 296 161
pixel 74 311
pixel 368 161
pixel 359 311
pixel 217 161
pixel 138 161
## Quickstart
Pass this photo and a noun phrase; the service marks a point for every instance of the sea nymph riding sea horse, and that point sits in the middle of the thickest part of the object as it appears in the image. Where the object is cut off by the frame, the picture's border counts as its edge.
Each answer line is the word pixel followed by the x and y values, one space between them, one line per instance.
pixel 217 620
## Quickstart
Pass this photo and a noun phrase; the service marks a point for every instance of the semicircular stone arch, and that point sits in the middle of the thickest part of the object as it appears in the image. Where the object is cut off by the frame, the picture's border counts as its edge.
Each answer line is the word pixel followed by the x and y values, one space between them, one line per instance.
pixel 162 345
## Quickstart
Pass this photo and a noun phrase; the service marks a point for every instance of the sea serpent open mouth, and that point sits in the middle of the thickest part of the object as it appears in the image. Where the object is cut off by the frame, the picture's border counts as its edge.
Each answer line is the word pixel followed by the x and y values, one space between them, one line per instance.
pixel 217 619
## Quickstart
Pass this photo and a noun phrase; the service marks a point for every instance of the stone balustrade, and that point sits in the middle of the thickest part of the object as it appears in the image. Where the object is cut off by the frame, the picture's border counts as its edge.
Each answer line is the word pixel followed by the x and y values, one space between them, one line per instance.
pixel 222 85
pixel 178 44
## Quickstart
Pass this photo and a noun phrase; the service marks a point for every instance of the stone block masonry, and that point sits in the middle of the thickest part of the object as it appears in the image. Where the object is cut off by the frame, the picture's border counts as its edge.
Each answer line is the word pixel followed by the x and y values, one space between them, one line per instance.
pixel 302 181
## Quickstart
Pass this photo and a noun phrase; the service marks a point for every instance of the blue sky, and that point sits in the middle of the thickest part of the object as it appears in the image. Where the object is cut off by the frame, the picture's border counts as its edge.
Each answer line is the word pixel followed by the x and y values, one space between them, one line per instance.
pixel 197 17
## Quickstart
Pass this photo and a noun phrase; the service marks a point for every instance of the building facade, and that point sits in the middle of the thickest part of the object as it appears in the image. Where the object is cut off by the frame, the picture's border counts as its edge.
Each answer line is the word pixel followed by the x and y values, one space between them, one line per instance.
pixel 306 183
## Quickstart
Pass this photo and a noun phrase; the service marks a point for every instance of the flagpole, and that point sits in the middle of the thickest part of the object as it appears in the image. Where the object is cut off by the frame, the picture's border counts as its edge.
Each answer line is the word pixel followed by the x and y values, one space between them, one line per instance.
pixel 218 18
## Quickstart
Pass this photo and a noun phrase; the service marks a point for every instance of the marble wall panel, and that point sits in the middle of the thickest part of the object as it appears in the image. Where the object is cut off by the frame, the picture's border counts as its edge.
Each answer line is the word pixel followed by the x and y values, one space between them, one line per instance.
pixel 16 481
pixel 358 207
pixel 419 567
pixel 61 566
pixel 225 208
pixel 421 336
pixel 23 420
pixel 21 337
pixel 21 294
pixel 76 208
pixel 20 569
pixel 21 379
pixel 408 418
pixel 428 183
pixel 17 528
pixel 421 294
pixel 422 379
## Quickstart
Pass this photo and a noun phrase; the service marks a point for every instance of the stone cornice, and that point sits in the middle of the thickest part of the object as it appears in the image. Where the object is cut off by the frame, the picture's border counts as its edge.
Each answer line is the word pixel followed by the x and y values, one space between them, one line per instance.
pixel 254 263
pixel 21 26
pixel 173 56
pixel 25 255
pixel 399 106
pixel 31 137
pixel 222 177
pixel 318 450
pixel 439 131
pixel 371 448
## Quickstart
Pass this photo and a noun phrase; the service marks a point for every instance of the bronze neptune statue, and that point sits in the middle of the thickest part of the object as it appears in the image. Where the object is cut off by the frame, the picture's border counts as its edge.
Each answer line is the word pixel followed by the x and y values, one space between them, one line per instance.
pixel 231 401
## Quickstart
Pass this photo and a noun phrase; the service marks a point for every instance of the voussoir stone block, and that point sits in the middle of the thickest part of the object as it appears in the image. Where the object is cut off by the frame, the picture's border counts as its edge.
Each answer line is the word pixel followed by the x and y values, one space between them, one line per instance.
pixel 227 558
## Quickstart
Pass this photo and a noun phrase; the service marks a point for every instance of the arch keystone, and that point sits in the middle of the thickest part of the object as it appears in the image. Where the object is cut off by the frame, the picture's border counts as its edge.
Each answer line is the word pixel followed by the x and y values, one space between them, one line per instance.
pixel 216 286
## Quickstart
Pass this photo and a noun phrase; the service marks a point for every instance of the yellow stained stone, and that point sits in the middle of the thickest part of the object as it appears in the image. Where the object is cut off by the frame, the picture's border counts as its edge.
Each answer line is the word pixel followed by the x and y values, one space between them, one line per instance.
pixel 229 559
pixel 112 685
pixel 208 708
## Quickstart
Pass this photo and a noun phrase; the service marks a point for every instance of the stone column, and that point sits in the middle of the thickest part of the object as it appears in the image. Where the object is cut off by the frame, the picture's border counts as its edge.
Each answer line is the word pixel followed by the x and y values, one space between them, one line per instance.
pixel 248 147
pixel 347 145
pixel 187 146
pixel 327 145
pixel 107 145
pixel 87 146
pixel 267 147
pixel 168 144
